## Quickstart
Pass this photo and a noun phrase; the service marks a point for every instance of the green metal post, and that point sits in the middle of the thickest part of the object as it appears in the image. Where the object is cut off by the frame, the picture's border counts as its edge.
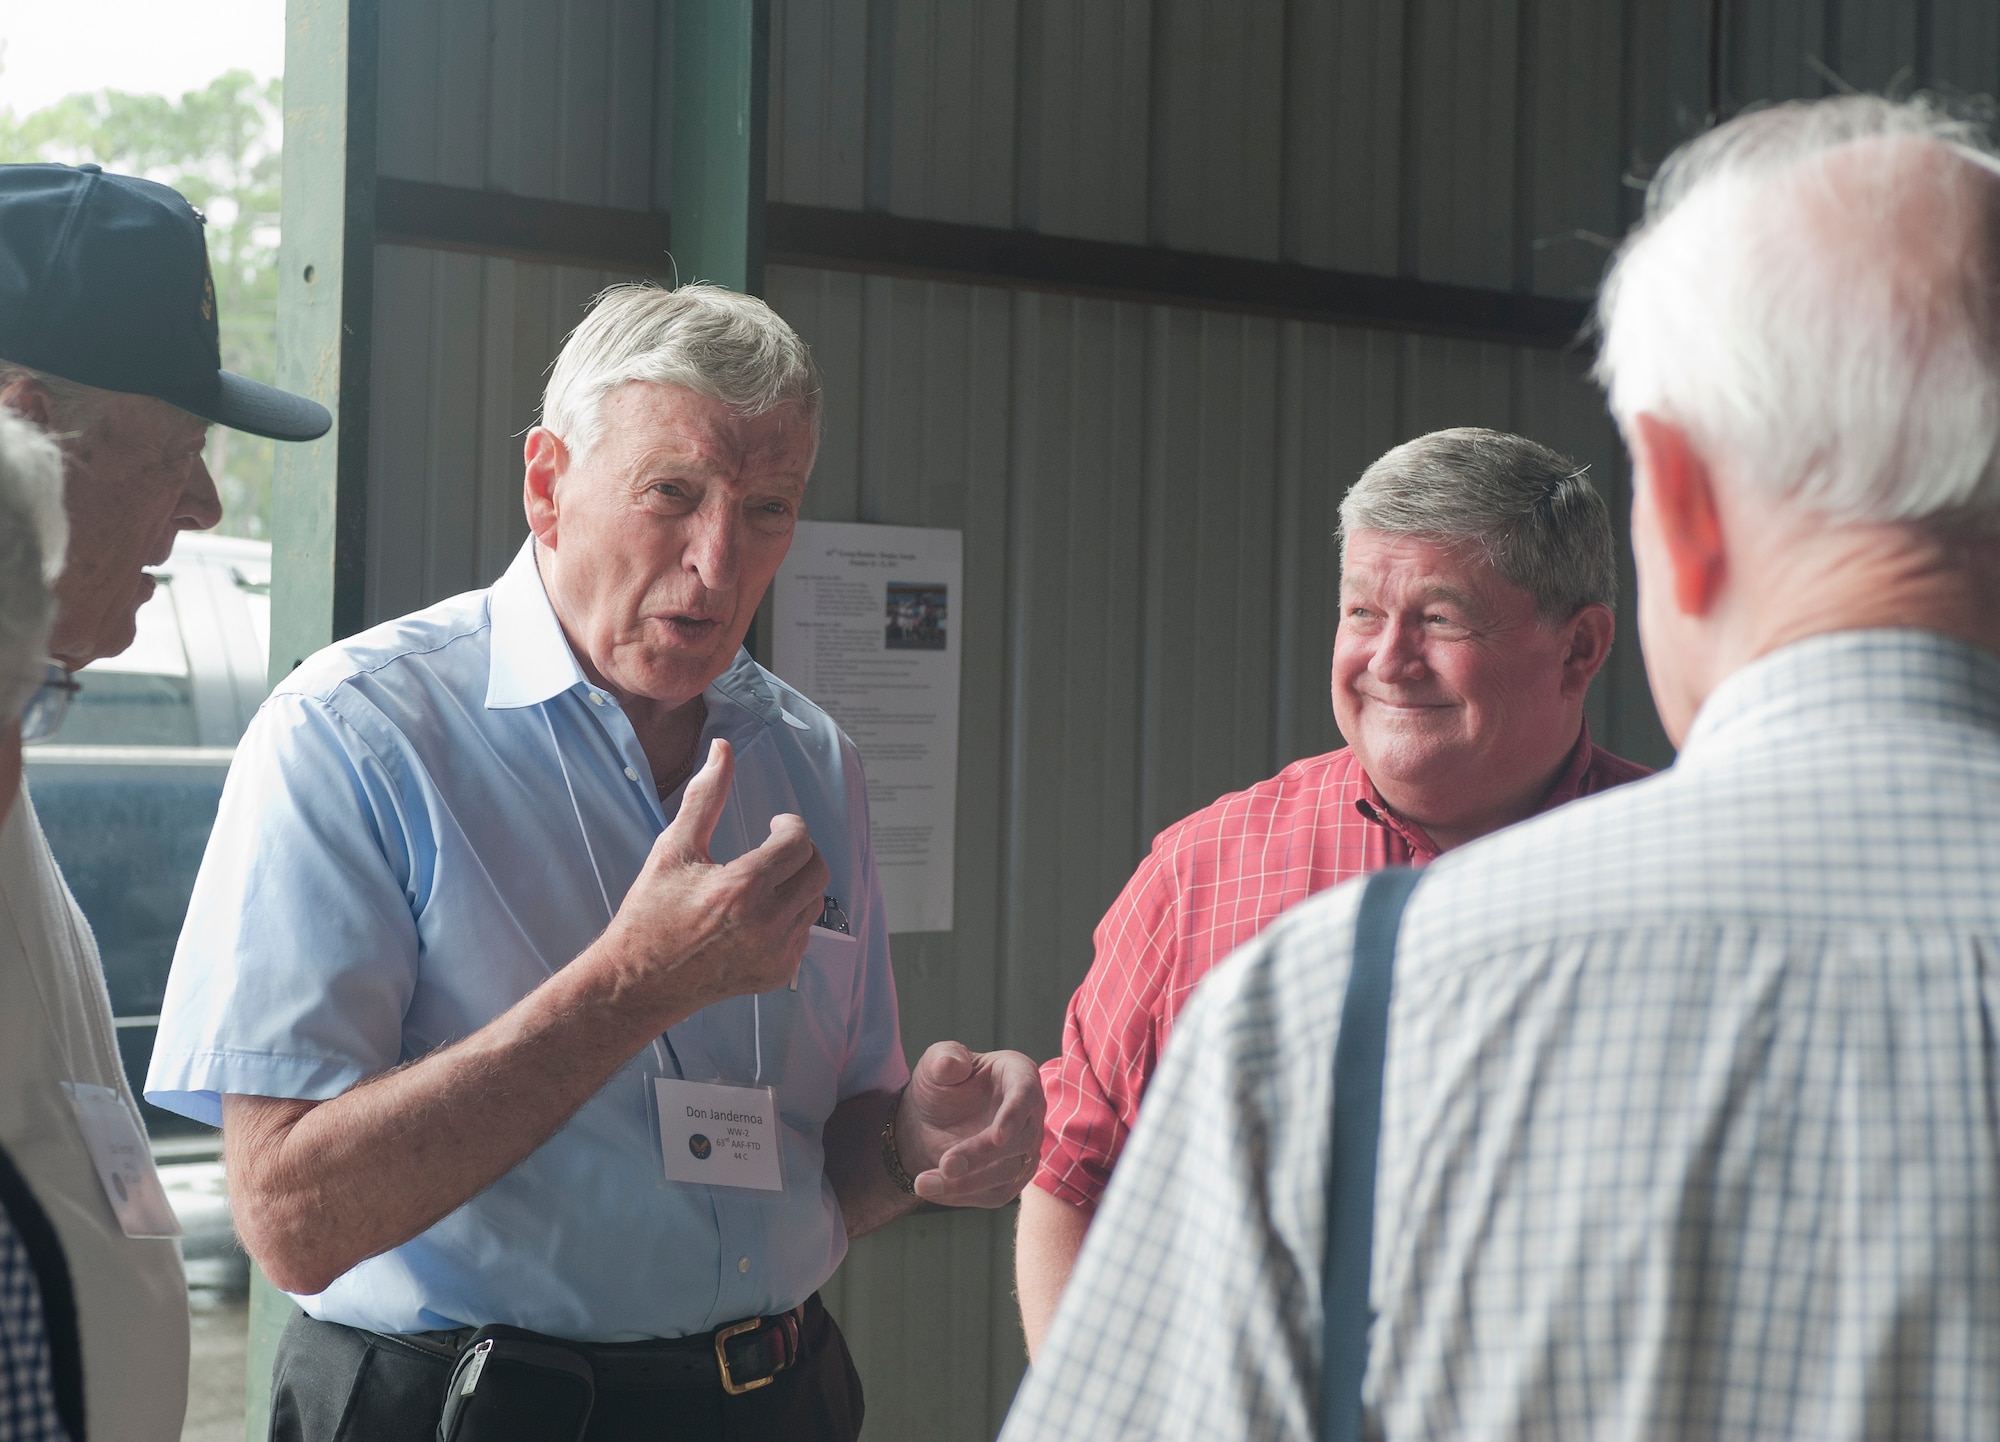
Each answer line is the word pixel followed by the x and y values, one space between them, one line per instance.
pixel 326 270
pixel 326 284
pixel 722 53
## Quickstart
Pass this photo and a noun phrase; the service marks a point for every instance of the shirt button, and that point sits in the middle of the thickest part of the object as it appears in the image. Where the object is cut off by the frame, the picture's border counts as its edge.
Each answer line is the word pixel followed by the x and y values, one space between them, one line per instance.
pixel 630 774
pixel 742 1264
pixel 596 699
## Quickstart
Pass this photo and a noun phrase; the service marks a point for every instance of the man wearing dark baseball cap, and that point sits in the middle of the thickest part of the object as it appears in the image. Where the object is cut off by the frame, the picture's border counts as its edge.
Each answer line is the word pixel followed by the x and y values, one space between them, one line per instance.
pixel 108 341
pixel 108 338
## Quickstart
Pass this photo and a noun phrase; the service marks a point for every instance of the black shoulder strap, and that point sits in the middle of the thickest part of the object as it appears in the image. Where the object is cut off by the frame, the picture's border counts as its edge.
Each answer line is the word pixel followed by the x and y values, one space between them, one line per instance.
pixel 45 1254
pixel 1357 1122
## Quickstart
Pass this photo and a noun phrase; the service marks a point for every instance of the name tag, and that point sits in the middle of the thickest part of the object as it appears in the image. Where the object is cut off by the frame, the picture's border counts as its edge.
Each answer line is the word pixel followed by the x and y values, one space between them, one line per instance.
pixel 123 1160
pixel 715 1135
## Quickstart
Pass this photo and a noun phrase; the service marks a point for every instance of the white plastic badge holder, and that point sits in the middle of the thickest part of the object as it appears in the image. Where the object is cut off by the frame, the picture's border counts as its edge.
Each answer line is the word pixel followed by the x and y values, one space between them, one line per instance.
pixel 124 1162
pixel 715 1135
pixel 825 945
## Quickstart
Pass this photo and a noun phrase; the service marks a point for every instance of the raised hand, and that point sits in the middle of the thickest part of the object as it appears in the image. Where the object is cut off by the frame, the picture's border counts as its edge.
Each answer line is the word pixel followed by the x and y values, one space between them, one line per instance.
pixel 691 932
pixel 979 1116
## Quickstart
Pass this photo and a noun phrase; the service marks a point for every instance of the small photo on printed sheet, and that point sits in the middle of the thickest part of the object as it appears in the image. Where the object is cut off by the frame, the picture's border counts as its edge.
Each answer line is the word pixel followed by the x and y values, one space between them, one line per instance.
pixel 916 611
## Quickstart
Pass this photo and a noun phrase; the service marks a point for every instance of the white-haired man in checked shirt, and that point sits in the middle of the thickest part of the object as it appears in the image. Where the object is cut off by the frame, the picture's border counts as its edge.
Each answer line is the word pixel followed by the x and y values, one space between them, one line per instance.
pixel 1689 1122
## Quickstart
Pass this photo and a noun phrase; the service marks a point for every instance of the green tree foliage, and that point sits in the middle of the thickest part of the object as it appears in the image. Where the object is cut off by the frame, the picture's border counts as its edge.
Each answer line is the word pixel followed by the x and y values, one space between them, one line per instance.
pixel 219 146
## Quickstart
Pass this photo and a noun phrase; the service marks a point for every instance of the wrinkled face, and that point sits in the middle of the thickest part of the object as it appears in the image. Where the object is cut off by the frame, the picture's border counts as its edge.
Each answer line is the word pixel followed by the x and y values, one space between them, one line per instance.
pixel 1446 682
pixel 133 480
pixel 659 542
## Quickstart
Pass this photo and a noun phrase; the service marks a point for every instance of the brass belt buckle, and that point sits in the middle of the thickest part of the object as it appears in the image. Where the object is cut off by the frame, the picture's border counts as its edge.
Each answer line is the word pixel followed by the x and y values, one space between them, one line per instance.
pixel 722 1336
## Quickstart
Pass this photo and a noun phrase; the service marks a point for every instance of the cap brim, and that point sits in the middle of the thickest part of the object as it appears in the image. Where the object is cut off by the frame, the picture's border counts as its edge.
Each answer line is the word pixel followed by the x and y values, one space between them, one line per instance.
pixel 263 410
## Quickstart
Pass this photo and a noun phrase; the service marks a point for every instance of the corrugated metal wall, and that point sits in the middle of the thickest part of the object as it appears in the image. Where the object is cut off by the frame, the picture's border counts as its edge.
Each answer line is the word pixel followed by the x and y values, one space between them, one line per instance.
pixel 1147 493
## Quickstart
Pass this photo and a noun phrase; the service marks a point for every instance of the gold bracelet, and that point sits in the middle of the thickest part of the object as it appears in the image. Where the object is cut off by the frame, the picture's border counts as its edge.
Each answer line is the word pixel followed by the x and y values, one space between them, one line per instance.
pixel 892 1160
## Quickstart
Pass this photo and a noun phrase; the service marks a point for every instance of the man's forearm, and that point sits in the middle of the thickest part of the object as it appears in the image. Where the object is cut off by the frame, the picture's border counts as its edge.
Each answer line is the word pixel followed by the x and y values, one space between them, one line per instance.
pixel 1046 1242
pixel 869 1198
pixel 320 1187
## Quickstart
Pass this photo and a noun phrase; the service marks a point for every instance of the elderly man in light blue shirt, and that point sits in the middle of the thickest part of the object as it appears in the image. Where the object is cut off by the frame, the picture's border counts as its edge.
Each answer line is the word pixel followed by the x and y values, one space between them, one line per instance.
pixel 507 1010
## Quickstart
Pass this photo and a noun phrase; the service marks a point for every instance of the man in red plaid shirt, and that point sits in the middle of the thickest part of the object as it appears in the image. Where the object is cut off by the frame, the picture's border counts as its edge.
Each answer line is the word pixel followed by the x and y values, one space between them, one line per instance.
pixel 1477 575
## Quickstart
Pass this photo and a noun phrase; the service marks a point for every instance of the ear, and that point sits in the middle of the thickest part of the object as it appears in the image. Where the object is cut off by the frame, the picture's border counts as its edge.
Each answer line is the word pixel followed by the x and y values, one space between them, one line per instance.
pixel 545 459
pixel 1590 634
pixel 27 398
pixel 1680 492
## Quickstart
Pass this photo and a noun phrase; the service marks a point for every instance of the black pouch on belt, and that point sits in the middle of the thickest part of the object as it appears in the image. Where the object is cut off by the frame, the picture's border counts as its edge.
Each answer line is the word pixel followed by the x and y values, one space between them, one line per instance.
pixel 515 1386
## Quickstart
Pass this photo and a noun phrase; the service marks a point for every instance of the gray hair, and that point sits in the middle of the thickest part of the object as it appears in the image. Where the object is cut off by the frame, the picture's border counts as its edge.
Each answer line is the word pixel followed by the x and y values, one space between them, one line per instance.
pixel 1532 513
pixel 729 347
pixel 1759 308
pixel 33 535
pixel 77 406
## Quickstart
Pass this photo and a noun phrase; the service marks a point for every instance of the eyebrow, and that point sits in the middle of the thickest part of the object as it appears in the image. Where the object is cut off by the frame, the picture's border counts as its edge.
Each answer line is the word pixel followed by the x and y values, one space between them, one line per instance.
pixel 1452 596
pixel 1432 593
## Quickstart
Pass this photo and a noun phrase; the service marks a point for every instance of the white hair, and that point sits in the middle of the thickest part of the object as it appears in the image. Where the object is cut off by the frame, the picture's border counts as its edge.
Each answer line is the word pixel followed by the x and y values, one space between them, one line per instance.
pixel 33 535
pixel 1767 307
pixel 729 347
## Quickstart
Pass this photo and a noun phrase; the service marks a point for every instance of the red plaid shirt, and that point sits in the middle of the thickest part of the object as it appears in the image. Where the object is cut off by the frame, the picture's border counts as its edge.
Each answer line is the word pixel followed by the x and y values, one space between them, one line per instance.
pixel 1211 882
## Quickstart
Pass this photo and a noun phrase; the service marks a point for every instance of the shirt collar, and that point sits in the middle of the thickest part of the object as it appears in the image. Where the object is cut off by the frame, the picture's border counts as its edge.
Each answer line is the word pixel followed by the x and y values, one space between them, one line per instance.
pixel 1568 784
pixel 1850 677
pixel 529 659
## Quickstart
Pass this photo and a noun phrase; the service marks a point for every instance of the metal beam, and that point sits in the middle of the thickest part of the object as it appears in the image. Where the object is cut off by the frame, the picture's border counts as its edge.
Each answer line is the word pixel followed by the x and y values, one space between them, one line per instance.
pixel 515 227
pixel 557 232
pixel 1027 260
pixel 722 51
pixel 326 270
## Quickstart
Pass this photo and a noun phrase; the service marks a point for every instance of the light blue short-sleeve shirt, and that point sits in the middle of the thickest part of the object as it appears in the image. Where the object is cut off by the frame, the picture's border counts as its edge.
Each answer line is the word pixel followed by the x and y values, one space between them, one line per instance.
pixel 405 849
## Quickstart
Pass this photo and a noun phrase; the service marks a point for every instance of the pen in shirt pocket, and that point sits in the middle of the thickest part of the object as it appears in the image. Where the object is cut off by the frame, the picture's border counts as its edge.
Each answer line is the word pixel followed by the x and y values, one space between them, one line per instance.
pixel 832 917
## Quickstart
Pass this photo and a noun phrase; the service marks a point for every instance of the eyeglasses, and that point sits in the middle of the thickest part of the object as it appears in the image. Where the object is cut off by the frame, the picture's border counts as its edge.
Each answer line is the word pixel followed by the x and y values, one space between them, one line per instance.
pixel 50 703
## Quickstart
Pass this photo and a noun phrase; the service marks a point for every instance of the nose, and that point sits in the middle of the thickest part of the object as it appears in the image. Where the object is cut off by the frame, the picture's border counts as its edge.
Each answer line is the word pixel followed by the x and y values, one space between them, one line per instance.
pixel 715 547
pixel 1399 652
pixel 200 507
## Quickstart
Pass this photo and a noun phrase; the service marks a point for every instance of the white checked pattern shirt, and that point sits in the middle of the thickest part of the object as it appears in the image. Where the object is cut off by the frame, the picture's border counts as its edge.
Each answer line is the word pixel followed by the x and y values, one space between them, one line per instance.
pixel 27 1370
pixel 1691 1120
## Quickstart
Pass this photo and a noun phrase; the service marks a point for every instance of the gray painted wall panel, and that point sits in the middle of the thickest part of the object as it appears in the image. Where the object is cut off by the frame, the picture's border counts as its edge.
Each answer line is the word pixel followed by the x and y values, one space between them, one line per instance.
pixel 558 101
pixel 1075 489
pixel 1964 44
pixel 1211 479
pixel 941 88
pixel 1218 124
pixel 819 102
pixel 1460 93
pixel 1344 134
pixel 462 344
pixel 1084 119
pixel 1874 42
pixel 1571 157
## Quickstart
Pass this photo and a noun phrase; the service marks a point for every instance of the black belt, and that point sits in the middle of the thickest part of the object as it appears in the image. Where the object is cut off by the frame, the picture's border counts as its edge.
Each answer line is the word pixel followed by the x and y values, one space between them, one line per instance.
pixel 739 1357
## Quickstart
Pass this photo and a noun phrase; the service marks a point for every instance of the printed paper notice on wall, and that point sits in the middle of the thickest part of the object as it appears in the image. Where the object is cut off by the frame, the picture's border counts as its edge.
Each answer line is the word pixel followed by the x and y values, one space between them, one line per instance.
pixel 867 624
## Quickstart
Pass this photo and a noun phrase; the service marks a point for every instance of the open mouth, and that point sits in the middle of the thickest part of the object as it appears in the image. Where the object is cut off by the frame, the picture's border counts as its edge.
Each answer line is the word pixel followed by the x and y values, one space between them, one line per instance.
pixel 691 628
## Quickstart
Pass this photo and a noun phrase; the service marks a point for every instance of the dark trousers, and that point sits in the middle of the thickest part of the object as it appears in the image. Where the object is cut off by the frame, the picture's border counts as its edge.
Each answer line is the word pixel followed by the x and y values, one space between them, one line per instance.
pixel 337 1384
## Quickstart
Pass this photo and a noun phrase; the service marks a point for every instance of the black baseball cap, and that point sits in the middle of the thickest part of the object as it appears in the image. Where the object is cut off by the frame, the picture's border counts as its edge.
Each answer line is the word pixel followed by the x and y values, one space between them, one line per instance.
pixel 104 281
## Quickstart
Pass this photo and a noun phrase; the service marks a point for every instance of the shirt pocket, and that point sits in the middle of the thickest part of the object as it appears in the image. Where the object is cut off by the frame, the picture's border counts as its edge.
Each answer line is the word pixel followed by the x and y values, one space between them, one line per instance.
pixel 829 962
pixel 804 1030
